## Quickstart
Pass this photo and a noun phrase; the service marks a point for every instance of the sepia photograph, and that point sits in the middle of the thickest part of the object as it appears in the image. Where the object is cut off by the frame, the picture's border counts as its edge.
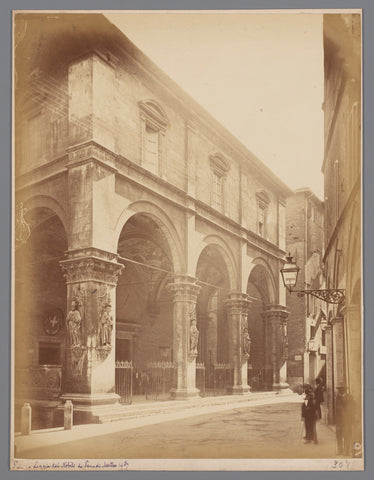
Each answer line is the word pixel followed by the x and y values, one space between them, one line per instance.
pixel 187 288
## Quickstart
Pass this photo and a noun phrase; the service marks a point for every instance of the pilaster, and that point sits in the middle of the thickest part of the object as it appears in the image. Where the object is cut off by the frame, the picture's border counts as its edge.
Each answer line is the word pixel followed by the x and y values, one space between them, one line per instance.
pixel 239 341
pixel 276 346
pixel 89 371
pixel 185 335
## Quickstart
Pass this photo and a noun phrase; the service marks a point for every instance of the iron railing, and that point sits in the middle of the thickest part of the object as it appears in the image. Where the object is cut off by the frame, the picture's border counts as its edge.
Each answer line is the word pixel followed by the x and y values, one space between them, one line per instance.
pixel 124 381
pixel 160 379
pixel 219 377
pixel 200 378
pixel 256 379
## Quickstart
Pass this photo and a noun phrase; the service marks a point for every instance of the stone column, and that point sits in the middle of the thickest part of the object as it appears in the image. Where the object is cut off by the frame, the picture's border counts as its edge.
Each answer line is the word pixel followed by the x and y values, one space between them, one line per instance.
pixel 237 317
pixel 185 336
pixel 89 372
pixel 276 346
pixel 329 375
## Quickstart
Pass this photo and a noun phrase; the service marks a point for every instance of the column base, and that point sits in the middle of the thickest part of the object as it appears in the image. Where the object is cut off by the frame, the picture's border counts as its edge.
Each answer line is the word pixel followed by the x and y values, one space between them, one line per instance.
pixel 238 389
pixel 281 388
pixel 184 394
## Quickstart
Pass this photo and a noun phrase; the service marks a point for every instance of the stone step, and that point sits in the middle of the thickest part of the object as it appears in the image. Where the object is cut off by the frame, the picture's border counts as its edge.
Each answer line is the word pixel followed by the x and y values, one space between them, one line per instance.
pixel 111 413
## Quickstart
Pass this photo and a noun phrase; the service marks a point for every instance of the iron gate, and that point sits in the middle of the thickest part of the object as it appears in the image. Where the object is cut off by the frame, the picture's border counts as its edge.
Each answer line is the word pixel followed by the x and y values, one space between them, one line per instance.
pixel 123 381
pixel 200 378
pixel 160 379
pixel 219 376
pixel 256 379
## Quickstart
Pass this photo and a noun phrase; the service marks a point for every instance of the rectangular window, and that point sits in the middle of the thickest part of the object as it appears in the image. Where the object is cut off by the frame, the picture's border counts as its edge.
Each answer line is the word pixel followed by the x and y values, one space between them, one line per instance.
pixel 312 333
pixel 323 340
pixel 261 221
pixel 151 150
pixel 49 353
pixel 217 191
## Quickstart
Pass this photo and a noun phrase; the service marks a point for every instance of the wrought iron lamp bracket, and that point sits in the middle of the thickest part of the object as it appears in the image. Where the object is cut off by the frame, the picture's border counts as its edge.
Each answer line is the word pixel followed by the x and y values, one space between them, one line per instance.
pixel 328 295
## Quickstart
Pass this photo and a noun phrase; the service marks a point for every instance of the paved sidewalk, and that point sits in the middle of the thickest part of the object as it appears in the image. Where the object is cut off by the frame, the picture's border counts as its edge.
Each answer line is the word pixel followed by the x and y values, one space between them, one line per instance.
pixel 151 414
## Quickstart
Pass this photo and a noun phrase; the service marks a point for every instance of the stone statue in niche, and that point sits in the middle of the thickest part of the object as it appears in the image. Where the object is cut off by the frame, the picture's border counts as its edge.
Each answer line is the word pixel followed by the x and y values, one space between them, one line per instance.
pixel 73 322
pixel 106 326
pixel 194 336
pixel 284 346
pixel 246 342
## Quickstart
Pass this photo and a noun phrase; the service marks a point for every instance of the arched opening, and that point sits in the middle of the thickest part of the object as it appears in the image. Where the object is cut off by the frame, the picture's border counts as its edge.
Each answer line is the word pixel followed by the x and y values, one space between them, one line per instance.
pixel 213 277
pixel 40 310
pixel 144 307
pixel 259 292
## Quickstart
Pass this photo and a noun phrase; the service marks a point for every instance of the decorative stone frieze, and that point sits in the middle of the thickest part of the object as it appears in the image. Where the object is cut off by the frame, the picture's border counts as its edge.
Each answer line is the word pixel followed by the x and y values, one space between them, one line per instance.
pixel 90 151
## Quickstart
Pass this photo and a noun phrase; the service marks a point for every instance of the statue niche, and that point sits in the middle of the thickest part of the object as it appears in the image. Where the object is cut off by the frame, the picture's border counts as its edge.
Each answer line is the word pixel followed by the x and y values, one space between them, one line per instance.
pixel 73 323
pixel 105 327
pixel 194 337
pixel 246 343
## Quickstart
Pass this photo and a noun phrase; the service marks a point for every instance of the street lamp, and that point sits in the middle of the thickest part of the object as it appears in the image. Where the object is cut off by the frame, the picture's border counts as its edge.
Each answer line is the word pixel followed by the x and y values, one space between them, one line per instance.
pixel 290 272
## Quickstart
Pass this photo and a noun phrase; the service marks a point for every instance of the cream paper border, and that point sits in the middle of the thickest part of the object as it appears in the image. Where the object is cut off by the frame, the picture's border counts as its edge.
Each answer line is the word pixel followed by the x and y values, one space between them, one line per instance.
pixel 307 464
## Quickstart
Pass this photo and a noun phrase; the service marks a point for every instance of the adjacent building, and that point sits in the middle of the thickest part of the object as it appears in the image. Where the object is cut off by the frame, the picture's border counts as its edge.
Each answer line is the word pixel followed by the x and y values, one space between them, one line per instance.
pixel 307 318
pixel 145 232
pixel 343 207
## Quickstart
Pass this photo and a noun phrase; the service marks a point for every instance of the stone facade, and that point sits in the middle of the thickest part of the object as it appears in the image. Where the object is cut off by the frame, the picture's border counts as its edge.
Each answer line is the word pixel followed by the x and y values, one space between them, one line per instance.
pixel 305 242
pixel 342 174
pixel 145 215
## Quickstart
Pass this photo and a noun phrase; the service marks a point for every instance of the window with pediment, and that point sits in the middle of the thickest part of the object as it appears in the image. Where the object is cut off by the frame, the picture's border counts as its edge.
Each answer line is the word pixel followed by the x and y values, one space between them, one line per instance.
pixel 263 201
pixel 153 122
pixel 219 168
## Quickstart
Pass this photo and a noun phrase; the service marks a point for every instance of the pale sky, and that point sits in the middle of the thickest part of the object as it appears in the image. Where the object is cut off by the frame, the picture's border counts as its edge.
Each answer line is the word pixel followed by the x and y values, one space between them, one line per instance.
pixel 259 75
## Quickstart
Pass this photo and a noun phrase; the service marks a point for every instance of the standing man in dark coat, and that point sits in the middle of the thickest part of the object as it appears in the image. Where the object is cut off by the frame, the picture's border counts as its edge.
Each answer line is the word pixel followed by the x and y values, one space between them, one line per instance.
pixel 343 420
pixel 309 414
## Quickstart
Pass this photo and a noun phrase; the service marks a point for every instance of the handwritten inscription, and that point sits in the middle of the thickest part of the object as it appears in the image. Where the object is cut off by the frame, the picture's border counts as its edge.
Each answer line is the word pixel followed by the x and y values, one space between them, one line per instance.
pixel 71 465
pixel 342 465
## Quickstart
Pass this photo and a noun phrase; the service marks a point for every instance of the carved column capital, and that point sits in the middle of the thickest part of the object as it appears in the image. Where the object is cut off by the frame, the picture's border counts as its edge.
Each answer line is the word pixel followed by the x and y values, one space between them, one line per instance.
pixel 276 313
pixel 184 288
pixel 91 264
pixel 238 302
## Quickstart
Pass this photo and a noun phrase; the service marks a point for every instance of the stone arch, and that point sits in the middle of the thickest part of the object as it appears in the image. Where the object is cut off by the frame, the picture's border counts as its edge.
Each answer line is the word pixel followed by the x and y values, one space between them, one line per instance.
pixel 262 266
pixel 41 292
pixel 162 220
pixel 214 271
pixel 45 201
pixel 227 254
pixel 144 306
pixel 262 292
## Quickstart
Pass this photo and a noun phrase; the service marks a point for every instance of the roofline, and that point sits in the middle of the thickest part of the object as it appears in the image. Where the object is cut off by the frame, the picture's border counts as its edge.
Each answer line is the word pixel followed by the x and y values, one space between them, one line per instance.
pixel 122 46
